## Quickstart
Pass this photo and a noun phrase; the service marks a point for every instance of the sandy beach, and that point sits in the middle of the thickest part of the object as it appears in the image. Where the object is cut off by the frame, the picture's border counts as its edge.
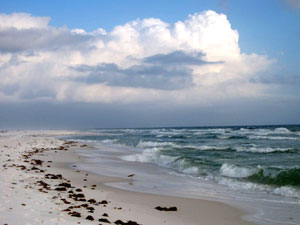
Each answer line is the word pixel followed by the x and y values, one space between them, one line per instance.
pixel 40 184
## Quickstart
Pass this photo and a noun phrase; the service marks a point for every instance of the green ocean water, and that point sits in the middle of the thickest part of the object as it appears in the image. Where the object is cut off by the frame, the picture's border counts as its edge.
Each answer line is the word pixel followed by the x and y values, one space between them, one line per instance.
pixel 268 155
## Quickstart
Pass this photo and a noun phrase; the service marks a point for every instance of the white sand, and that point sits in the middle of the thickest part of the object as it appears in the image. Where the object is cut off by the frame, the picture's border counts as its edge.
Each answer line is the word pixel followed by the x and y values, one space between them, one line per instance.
pixel 19 187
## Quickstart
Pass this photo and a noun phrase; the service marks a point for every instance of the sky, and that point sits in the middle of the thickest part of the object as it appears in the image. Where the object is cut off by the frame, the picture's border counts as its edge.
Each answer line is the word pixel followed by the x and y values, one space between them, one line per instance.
pixel 115 63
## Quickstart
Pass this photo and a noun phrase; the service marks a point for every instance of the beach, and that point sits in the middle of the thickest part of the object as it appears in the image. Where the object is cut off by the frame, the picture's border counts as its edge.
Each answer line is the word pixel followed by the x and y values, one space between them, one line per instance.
pixel 40 184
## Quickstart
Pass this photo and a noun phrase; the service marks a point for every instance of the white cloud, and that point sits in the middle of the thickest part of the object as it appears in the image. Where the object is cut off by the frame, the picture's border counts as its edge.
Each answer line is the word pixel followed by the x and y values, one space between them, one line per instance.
pixel 38 61
pixel 23 21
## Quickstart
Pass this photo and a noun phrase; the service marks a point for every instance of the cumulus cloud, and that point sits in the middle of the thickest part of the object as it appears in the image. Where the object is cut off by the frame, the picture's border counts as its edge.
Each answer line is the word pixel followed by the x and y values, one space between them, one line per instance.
pixel 194 61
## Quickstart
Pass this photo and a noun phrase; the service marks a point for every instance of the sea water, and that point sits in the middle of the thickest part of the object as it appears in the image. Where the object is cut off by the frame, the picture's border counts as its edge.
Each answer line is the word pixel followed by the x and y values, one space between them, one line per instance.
pixel 254 168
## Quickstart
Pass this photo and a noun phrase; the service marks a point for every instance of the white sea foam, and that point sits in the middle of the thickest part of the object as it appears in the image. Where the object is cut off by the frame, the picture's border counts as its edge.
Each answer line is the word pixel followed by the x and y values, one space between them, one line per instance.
pixel 167 133
pixel 213 131
pixel 191 170
pixel 273 137
pixel 240 185
pixel 207 147
pixel 264 132
pixel 287 191
pixel 260 150
pixel 110 141
pixel 154 156
pixel 238 172
pixel 146 144
pixel 150 156
pixel 229 170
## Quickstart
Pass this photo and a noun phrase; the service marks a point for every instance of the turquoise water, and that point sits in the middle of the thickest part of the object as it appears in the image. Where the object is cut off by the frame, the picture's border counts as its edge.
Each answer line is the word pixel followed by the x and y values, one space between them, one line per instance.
pixel 261 161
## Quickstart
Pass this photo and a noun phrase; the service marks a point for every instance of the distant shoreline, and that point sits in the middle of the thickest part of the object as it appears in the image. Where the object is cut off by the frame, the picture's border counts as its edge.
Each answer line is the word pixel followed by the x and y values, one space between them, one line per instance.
pixel 3 130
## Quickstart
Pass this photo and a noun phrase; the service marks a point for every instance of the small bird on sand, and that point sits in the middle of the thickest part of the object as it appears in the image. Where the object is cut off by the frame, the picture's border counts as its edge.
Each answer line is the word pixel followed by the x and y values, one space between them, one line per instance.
pixel 131 176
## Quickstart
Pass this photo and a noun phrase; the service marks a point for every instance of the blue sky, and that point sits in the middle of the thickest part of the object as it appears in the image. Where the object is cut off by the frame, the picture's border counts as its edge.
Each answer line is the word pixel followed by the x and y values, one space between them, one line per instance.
pixel 270 29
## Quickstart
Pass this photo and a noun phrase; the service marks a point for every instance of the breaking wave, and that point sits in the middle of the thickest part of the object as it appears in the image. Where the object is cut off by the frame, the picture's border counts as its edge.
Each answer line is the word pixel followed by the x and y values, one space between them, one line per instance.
pixel 155 156
pixel 262 149
pixel 258 175
pixel 285 177
pixel 287 191
pixel 229 170
pixel 282 130
pixel 273 137
pixel 145 144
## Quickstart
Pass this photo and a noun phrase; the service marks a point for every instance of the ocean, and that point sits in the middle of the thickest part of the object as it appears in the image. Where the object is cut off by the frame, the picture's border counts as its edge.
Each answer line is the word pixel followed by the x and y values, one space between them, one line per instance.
pixel 256 168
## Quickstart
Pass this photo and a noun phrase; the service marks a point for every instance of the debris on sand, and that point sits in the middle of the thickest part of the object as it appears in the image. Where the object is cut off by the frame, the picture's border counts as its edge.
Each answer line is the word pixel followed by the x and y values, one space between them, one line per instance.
pixel 173 208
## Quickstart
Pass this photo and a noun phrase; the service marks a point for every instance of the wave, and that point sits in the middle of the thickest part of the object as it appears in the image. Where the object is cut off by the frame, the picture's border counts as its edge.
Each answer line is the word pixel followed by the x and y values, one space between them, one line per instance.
pixel 233 171
pixel 155 156
pixel 207 147
pixel 252 148
pixel 286 191
pixel 262 149
pixel 272 137
pixel 161 145
pixel 286 177
pixel 110 141
pixel 146 144
pixel 150 156
pixel 209 131
pixel 259 175
pixel 232 136
pixel 184 166
pixel 167 132
pixel 284 183
pixel 282 130
pixel 280 133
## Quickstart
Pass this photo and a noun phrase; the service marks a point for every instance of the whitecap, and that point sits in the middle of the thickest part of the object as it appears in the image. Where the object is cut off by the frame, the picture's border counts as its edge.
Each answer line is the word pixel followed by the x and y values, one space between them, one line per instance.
pixel 147 144
pixel 282 130
pixel 260 150
pixel 273 138
pixel 229 170
pixel 150 156
pixel 155 156
pixel 207 147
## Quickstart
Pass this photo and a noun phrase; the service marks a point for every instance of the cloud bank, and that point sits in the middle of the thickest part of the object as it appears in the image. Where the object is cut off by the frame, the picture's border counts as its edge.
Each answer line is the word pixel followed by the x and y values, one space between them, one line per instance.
pixel 195 61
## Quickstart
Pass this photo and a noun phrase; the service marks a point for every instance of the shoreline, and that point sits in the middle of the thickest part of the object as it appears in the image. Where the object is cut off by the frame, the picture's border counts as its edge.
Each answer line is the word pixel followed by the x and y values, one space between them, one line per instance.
pixel 122 205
